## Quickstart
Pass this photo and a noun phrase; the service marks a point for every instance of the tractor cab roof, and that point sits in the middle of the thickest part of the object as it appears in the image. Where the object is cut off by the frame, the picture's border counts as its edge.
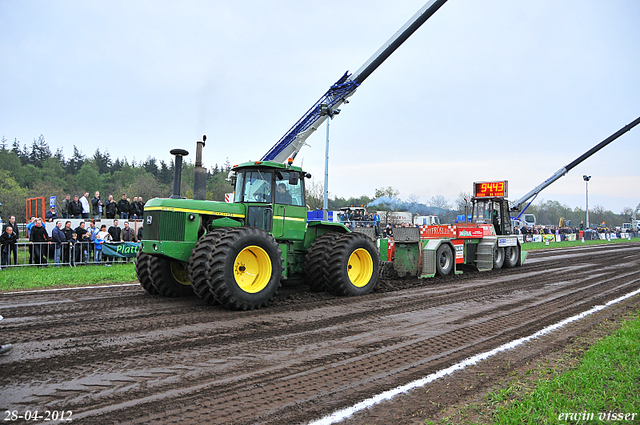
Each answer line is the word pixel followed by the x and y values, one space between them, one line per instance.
pixel 265 164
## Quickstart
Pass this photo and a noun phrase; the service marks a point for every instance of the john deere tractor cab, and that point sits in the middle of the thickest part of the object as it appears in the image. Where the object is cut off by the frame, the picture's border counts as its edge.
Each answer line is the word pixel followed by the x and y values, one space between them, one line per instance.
pixel 273 194
pixel 236 254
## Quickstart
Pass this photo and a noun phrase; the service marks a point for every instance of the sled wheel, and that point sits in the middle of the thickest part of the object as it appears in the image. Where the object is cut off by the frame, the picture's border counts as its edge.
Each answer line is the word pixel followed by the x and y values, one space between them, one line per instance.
pixel 498 257
pixel 245 268
pixel 144 273
pixel 353 269
pixel 444 260
pixel 511 256
pixel 317 261
pixel 170 277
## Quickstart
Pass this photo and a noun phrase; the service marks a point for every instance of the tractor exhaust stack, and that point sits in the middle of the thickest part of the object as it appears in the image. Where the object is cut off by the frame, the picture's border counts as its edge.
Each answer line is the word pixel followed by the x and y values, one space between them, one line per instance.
pixel 177 171
pixel 200 181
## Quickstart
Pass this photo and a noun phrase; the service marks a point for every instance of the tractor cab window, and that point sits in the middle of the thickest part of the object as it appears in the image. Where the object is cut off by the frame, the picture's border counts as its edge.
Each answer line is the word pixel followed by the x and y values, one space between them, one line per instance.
pixel 493 212
pixel 482 211
pixel 254 186
pixel 289 188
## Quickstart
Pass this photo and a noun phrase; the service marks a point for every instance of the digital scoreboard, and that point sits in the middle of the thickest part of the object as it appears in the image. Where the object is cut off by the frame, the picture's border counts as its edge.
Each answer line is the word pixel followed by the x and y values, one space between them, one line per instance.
pixel 490 189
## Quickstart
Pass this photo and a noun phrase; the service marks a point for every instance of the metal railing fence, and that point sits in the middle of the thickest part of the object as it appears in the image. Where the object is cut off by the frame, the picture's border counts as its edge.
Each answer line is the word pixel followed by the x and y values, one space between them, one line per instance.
pixel 24 254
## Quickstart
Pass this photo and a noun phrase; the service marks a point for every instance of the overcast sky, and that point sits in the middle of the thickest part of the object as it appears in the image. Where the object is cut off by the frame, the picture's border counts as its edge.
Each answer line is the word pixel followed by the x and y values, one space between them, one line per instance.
pixel 484 90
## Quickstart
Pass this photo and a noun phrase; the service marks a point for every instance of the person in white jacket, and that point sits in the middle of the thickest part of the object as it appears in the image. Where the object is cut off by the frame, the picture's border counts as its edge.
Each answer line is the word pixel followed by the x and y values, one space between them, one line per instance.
pixel 84 201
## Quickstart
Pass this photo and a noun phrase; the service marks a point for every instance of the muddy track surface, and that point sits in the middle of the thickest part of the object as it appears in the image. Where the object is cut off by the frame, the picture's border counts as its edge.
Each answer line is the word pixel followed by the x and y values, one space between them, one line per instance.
pixel 118 355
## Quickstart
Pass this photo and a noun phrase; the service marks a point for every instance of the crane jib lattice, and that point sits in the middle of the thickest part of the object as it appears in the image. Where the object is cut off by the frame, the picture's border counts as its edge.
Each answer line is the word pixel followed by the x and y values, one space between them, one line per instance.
pixel 336 94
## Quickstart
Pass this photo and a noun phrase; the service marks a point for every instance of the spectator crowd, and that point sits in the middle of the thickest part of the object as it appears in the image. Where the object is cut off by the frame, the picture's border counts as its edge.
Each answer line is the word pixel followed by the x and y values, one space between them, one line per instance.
pixel 360 218
pixel 66 244
pixel 82 207
pixel 529 231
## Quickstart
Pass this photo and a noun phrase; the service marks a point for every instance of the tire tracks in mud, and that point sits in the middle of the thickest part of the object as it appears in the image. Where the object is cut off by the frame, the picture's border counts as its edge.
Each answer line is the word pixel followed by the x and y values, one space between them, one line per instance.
pixel 127 357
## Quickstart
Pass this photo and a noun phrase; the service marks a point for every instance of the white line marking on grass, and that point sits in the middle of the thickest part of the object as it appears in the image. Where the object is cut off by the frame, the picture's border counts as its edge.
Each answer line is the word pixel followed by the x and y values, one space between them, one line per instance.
pixel 387 395
pixel 75 288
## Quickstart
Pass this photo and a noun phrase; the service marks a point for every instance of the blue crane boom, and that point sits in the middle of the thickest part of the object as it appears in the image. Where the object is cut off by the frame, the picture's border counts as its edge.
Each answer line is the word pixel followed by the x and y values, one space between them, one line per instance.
pixel 291 143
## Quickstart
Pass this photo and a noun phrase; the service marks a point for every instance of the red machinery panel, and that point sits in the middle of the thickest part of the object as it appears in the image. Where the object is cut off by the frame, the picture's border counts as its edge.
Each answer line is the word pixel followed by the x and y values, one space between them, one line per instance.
pixel 437 232
pixel 470 232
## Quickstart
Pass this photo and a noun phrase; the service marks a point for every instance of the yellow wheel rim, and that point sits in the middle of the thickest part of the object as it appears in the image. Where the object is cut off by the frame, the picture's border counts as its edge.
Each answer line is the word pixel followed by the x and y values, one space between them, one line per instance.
pixel 180 273
pixel 252 269
pixel 360 267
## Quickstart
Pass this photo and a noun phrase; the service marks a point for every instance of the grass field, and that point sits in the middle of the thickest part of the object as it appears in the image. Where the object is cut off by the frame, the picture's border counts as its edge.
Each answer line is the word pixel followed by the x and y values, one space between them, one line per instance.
pixel 603 388
pixel 21 278
pixel 542 245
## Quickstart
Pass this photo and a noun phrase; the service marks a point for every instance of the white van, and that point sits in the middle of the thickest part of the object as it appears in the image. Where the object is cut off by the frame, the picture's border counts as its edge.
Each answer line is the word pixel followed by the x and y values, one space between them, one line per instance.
pixel 426 220
pixel 395 217
pixel 529 220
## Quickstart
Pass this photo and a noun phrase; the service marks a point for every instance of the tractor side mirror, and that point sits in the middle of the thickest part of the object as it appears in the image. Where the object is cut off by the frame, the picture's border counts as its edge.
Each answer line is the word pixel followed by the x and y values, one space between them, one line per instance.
pixel 294 177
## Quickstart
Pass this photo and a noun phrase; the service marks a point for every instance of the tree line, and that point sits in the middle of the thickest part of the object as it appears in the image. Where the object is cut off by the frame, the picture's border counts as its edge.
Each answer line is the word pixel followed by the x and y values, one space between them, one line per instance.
pixel 35 171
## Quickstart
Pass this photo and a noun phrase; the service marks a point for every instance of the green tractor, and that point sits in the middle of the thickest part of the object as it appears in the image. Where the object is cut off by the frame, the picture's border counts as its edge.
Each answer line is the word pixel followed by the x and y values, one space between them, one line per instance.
pixel 236 254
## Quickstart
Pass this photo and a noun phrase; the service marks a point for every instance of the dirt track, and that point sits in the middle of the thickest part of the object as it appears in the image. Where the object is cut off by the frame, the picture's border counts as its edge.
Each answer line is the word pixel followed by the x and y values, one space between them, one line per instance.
pixel 117 355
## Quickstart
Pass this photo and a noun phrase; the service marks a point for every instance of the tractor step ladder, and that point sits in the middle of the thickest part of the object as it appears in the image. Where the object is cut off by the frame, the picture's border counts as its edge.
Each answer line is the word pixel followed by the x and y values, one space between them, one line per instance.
pixel 484 253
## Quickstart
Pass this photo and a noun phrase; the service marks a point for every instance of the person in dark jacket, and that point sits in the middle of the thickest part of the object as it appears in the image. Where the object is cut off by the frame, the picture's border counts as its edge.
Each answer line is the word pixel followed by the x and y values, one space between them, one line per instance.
pixel 67 230
pixel 75 208
pixel 66 250
pixel 115 232
pixel 74 249
pixel 51 215
pixel 111 209
pixel 64 206
pixel 12 223
pixel 140 207
pixel 37 238
pixel 96 205
pixel 282 194
pixel 124 207
pixel 8 241
pixel 82 248
pixel 134 209
pixel 116 235
pixel 59 238
pixel 128 234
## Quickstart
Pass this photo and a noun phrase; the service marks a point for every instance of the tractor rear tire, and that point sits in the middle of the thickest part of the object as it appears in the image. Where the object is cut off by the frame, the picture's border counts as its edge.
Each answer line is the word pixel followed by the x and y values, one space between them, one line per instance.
pixel 199 265
pixel 353 266
pixel 144 273
pixel 245 268
pixel 498 257
pixel 170 277
pixel 444 260
pixel 511 256
pixel 316 262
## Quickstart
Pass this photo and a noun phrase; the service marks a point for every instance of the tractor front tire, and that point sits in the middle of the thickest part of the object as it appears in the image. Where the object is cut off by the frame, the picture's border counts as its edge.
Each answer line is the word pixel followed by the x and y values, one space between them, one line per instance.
pixel 199 265
pixel 245 268
pixel 444 260
pixel 353 267
pixel 170 277
pixel 316 262
pixel 498 257
pixel 511 256
pixel 144 273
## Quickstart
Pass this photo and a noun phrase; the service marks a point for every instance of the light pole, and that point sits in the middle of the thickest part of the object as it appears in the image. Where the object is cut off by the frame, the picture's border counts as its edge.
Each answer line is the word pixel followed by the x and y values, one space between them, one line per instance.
pixel 586 180
pixel 326 110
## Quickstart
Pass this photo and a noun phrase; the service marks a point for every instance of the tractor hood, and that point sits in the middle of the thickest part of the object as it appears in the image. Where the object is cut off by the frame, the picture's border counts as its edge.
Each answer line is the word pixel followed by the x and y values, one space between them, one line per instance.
pixel 223 209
